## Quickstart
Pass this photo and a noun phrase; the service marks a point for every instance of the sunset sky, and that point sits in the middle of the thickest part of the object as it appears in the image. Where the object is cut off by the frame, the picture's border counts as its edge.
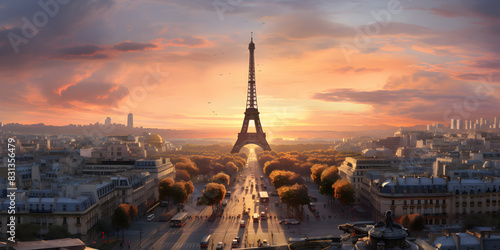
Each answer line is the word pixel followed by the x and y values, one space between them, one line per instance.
pixel 320 64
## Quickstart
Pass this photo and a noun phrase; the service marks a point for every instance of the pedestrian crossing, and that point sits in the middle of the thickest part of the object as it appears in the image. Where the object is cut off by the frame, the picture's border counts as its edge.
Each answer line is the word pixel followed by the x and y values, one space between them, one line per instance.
pixel 180 245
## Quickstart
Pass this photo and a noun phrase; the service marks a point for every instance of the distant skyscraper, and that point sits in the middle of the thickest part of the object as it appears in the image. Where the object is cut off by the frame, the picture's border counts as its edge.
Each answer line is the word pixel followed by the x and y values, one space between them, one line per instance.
pixel 107 122
pixel 453 124
pixel 460 124
pixel 130 122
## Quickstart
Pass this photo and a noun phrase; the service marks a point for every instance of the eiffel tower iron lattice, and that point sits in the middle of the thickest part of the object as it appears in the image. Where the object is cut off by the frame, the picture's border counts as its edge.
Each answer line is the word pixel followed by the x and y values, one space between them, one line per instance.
pixel 252 112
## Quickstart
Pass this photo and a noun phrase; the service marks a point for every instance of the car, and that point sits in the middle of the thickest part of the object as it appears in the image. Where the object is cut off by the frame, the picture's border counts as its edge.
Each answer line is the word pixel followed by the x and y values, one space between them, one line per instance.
pixel 265 244
pixel 234 244
pixel 274 193
pixel 151 217
pixel 238 239
pixel 292 222
pixel 313 198
pixel 220 246
pixel 289 222
pixel 242 223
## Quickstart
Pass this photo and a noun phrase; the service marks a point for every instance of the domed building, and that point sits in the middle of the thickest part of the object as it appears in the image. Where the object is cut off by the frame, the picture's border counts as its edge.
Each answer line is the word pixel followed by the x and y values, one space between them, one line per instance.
pixel 155 140
pixel 154 144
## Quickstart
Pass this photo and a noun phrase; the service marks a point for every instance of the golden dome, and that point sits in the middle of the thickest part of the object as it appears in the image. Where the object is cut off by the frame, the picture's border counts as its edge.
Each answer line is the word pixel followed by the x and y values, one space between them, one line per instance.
pixel 155 140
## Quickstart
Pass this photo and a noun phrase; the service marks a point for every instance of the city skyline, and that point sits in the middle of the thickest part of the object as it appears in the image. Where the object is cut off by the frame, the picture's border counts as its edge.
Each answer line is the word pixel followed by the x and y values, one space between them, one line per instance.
pixel 348 65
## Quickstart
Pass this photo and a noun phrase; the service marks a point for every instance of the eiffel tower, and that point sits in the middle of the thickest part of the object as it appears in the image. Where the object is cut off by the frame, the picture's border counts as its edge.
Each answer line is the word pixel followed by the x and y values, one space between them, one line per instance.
pixel 252 112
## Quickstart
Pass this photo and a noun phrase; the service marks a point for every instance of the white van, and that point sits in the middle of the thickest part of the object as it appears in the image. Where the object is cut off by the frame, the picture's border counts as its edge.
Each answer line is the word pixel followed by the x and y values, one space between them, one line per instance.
pixel 151 217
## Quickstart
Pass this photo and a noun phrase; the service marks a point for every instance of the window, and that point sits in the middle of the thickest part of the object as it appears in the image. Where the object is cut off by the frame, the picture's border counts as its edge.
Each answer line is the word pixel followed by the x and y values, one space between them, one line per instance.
pixel 77 220
pixel 430 201
pixel 392 202
pixel 437 202
pixel 123 192
pixel 64 220
pixel 77 208
pixel 404 202
pixel 64 207
pixel 411 202
pixel 418 202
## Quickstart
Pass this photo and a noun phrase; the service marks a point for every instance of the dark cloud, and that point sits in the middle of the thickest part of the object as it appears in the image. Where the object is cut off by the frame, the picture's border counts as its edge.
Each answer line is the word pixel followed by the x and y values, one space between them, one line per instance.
pixel 490 64
pixel 130 46
pixel 81 50
pixel 93 93
pixel 425 105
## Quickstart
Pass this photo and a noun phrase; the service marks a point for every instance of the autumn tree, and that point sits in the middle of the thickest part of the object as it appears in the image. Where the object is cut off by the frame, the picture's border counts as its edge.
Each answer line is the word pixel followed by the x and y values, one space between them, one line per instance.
pixel 188 165
pixel 132 211
pixel 294 196
pixel 281 178
pixel 316 171
pixel 182 175
pixel 231 168
pixel 265 156
pixel 282 163
pixel 203 163
pixel 121 218
pixel 344 192
pixel 189 187
pixel 221 178
pixel 178 193
pixel 416 223
pixel 213 194
pixel 217 167
pixel 328 178
pixel 164 188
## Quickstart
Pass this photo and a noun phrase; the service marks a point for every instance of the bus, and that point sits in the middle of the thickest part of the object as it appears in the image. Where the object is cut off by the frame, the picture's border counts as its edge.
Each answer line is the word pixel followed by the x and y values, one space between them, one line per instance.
pixel 205 242
pixel 255 218
pixel 264 197
pixel 178 220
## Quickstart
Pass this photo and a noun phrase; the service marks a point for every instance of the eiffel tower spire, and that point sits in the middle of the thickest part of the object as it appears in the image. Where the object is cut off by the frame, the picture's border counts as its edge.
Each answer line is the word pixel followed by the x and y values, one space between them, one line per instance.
pixel 252 112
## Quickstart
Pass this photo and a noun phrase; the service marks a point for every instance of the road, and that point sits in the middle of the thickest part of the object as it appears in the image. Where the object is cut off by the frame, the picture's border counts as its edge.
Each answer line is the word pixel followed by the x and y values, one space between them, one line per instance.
pixel 159 235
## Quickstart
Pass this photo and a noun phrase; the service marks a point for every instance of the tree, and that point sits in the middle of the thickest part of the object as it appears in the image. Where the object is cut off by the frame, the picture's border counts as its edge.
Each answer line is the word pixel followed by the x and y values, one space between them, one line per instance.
pixel 344 192
pixel 217 167
pixel 405 221
pixel 284 162
pixel 213 194
pixel 121 218
pixel 281 178
pixel 188 165
pixel 164 187
pixel 132 211
pixel 182 175
pixel 475 220
pixel 104 226
pixel 203 163
pixel 416 223
pixel 316 171
pixel 231 168
pixel 294 196
pixel 178 192
pixel 221 178
pixel 328 178
pixel 189 187
pixel 58 232
pixel 27 232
